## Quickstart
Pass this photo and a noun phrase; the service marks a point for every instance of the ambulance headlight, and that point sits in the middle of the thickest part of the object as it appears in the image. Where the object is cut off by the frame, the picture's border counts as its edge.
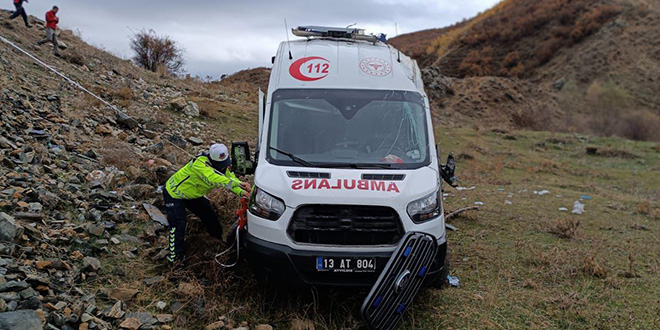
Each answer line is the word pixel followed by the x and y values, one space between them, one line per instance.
pixel 265 205
pixel 425 208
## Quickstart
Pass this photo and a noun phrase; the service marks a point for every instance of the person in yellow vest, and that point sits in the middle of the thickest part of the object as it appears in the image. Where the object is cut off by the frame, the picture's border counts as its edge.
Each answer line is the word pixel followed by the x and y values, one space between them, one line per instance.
pixel 186 190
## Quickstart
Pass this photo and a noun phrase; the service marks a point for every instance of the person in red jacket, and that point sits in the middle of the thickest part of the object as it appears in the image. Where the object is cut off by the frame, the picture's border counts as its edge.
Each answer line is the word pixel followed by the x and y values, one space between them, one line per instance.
pixel 51 29
pixel 20 11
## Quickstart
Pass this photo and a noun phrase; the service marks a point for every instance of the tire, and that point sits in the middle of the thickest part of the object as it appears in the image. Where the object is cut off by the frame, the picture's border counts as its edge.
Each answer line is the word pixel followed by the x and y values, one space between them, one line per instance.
pixel 439 280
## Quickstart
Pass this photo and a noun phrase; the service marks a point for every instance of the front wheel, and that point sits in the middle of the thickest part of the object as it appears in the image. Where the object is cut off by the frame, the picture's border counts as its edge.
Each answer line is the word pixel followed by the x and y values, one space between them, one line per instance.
pixel 438 280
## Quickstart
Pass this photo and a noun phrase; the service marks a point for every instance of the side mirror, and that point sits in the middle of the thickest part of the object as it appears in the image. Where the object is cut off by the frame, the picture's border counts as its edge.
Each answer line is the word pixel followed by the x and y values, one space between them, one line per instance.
pixel 447 171
pixel 241 162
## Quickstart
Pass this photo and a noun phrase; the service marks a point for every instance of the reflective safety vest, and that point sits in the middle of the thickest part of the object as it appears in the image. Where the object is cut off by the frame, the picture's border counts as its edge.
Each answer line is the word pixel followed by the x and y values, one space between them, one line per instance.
pixel 198 177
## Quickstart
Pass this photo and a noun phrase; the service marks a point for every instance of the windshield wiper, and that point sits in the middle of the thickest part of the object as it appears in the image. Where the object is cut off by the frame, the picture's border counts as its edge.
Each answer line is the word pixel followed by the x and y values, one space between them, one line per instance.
pixel 354 165
pixel 293 157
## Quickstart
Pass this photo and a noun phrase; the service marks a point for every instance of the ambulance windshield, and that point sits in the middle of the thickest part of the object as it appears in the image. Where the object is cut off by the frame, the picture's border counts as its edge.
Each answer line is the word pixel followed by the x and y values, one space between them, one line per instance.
pixel 348 128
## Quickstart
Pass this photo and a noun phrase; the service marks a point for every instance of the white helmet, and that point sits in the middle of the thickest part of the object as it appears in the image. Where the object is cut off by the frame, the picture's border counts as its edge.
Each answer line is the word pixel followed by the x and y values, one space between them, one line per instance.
pixel 219 155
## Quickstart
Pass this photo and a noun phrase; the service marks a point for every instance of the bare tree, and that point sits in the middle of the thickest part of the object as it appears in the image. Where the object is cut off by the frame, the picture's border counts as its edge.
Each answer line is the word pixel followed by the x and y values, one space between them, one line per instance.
pixel 157 52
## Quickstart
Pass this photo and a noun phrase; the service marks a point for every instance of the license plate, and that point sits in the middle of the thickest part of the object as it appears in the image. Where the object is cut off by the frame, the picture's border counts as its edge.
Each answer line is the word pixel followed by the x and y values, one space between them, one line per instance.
pixel 345 265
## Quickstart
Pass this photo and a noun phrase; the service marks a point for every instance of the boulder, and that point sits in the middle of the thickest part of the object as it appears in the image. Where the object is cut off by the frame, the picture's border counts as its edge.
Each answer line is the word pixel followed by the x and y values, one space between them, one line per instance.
pixel 91 263
pixel 215 326
pixel 140 191
pixel 20 320
pixel 10 230
pixel 130 323
pixel 192 109
pixel 165 318
pixel 178 141
pixel 123 294
pixel 14 286
pixel 177 104
pixel 195 141
pixel 114 312
pixel 95 229
pixel 126 121
pixel 143 317
pixel 559 84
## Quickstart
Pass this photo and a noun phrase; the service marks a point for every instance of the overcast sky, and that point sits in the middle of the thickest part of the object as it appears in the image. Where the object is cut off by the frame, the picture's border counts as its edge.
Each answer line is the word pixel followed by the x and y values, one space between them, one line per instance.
pixel 229 35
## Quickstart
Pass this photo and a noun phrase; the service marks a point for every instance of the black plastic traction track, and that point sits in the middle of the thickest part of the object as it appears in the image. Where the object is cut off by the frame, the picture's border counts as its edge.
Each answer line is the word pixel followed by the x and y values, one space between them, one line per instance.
pixel 387 302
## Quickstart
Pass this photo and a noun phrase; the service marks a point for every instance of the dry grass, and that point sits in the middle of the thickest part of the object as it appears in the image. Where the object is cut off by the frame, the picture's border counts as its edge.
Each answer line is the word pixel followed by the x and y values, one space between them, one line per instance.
pixel 514 273
pixel 160 117
pixel 606 109
pixel 115 152
pixel 516 36
pixel 74 58
pixel 566 227
pixel 592 267
pixel 122 96
pixel 246 80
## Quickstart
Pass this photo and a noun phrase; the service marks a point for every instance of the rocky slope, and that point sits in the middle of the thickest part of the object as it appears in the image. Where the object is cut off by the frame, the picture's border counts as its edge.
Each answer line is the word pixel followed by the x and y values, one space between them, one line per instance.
pixel 77 249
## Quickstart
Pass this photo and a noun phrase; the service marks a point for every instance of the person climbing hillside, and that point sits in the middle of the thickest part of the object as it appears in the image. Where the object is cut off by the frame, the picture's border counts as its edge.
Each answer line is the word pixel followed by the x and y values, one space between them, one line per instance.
pixel 20 11
pixel 51 29
pixel 186 190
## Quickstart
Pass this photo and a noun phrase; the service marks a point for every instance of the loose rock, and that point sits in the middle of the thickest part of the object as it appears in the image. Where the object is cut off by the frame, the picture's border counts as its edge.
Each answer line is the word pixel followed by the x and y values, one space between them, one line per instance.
pixel 20 320
pixel 10 230
pixel 130 323
pixel 91 263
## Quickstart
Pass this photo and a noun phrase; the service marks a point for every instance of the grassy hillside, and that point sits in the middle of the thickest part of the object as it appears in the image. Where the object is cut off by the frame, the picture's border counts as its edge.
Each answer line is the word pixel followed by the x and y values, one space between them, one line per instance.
pixel 585 60
pixel 522 262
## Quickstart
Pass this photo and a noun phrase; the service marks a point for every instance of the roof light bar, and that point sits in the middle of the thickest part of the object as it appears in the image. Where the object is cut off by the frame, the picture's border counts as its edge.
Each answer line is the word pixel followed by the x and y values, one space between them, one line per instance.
pixel 334 32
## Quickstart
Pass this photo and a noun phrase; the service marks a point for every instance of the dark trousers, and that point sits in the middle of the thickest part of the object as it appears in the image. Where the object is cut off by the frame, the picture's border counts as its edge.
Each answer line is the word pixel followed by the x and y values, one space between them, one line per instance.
pixel 176 216
pixel 20 11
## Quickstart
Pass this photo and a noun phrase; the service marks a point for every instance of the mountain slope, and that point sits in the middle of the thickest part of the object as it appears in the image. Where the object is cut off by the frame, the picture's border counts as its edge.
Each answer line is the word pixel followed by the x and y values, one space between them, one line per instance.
pixel 586 59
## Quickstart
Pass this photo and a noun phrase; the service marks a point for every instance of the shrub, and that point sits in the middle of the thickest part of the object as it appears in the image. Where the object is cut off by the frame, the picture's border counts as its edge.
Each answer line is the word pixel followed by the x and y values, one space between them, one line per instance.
pixel 478 62
pixel 118 154
pixel 123 93
pixel 641 125
pixel 592 267
pixel 74 58
pixel 511 59
pixel 591 21
pixel 547 50
pixel 565 227
pixel 531 118
pixel 154 52
pixel 518 26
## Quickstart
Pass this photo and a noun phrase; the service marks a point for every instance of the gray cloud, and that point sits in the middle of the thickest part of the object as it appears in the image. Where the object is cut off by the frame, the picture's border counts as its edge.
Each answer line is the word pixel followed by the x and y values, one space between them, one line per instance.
pixel 226 36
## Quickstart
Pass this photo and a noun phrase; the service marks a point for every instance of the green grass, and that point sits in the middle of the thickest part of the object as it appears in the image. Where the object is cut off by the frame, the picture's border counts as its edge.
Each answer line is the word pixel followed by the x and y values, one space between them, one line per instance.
pixel 515 272
pixel 515 269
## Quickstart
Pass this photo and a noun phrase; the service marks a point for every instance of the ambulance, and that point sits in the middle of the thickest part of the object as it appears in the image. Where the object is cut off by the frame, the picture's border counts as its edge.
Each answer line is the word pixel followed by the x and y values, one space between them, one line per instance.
pixel 346 162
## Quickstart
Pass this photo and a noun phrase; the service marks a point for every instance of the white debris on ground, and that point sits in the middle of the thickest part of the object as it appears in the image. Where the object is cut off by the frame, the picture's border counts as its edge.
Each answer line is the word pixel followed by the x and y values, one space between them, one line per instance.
pixel 464 188
pixel 478 203
pixel 563 209
pixel 541 193
pixel 453 281
pixel 508 202
pixel 578 208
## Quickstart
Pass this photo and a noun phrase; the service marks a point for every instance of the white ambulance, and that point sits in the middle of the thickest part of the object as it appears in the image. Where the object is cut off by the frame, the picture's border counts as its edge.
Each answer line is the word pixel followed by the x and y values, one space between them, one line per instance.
pixel 346 162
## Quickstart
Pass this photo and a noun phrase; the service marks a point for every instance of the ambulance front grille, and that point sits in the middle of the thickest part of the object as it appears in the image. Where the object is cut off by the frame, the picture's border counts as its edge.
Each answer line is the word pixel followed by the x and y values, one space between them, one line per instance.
pixel 345 225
